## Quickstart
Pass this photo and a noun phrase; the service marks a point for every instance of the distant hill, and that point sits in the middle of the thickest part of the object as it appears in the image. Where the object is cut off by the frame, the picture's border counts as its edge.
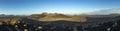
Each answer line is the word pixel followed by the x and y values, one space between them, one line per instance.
pixel 56 17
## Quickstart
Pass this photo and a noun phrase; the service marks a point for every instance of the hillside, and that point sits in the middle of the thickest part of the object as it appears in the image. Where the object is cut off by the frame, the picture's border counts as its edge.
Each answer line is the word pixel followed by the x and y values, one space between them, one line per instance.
pixel 56 17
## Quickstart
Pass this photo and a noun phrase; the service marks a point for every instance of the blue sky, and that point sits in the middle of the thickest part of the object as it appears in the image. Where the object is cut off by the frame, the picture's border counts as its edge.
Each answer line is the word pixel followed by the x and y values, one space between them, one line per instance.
pixel 27 7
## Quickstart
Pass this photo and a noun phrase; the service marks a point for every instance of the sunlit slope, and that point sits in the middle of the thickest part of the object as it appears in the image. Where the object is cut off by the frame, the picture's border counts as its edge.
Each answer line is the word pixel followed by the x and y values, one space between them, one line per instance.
pixel 57 17
pixel 10 20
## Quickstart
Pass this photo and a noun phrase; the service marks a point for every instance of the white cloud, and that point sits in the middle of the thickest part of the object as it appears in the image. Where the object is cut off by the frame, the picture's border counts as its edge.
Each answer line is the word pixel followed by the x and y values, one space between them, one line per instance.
pixel 96 9
pixel 106 11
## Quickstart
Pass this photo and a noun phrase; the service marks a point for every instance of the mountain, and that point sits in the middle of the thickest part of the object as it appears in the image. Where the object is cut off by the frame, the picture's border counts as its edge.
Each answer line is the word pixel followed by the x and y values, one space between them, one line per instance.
pixel 57 17
pixel 107 11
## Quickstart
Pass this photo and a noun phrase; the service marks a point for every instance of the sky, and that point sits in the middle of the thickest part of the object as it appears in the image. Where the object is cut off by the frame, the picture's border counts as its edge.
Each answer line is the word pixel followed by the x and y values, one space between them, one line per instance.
pixel 27 7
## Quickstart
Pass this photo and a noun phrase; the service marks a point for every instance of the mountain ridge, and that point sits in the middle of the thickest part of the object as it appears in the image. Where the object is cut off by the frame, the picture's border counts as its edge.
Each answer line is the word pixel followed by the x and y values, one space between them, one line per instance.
pixel 56 17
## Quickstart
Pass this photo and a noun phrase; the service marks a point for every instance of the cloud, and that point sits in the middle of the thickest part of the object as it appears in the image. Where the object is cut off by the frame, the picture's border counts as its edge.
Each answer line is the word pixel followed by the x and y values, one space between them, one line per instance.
pixel 97 9
pixel 106 11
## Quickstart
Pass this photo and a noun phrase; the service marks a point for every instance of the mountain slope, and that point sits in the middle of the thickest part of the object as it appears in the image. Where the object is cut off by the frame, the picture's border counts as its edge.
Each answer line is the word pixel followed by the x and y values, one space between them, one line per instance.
pixel 57 17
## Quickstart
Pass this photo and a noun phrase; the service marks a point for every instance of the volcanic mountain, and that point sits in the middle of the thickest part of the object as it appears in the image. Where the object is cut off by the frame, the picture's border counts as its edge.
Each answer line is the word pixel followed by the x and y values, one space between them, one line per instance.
pixel 57 17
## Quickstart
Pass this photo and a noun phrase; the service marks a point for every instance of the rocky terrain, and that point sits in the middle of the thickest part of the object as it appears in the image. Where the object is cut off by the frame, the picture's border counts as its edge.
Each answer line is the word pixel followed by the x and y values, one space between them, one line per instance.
pixel 35 23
